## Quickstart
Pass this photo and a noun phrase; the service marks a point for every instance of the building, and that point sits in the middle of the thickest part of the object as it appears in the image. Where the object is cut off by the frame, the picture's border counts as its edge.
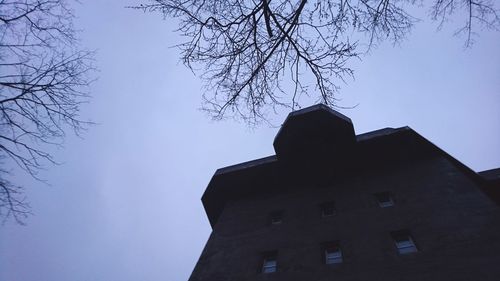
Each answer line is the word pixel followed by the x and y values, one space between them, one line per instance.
pixel 330 205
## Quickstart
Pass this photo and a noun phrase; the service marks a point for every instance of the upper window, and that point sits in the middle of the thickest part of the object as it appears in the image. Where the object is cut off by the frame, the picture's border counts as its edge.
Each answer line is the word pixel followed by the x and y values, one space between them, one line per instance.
pixel 332 253
pixel 276 217
pixel 404 242
pixel 327 209
pixel 269 263
pixel 384 199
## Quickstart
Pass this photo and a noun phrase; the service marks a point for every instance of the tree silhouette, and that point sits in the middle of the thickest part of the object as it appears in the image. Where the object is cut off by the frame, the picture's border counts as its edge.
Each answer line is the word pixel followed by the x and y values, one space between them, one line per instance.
pixel 249 52
pixel 43 81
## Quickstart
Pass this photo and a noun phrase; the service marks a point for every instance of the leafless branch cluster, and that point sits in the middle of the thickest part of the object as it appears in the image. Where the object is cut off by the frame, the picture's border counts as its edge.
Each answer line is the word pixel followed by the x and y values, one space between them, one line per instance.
pixel 478 14
pixel 249 51
pixel 43 81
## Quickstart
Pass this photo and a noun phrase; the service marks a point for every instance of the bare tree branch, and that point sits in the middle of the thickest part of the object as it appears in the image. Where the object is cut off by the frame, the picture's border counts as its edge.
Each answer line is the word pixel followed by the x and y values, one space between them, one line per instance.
pixel 478 14
pixel 249 52
pixel 44 78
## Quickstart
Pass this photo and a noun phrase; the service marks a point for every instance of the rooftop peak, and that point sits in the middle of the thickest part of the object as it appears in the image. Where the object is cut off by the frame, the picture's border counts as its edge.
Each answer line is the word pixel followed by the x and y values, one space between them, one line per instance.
pixel 317 129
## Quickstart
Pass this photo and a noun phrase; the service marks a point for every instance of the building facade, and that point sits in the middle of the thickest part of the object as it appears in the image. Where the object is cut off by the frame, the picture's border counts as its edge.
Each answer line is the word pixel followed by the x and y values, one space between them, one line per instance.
pixel 330 205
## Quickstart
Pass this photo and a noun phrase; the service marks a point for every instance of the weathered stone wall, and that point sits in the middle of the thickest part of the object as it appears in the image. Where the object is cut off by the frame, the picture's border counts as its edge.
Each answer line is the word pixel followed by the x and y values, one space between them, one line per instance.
pixel 455 226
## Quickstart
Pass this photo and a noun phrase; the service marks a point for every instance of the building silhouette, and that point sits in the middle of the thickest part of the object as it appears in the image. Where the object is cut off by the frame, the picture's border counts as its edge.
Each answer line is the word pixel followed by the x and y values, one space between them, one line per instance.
pixel 330 205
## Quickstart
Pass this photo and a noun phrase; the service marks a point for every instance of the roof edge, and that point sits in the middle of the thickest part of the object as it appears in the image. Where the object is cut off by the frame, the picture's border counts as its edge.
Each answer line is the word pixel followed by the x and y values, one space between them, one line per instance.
pixel 245 165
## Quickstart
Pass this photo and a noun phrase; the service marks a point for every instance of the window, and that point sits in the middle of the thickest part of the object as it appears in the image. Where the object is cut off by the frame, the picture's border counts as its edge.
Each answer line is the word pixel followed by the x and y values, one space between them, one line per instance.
pixel 384 199
pixel 276 217
pixel 327 209
pixel 269 263
pixel 332 253
pixel 404 242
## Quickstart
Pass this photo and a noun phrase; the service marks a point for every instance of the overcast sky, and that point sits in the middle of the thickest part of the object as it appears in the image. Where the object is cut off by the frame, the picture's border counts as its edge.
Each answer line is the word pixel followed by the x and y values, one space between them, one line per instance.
pixel 125 205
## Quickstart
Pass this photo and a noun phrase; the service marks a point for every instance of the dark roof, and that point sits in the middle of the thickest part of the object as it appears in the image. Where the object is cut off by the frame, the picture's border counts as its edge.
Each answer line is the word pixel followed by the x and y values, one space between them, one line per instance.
pixel 317 144
pixel 246 165
pixel 491 184
pixel 318 108
pixel 273 158
pixel 315 127
pixel 379 133
pixel 491 175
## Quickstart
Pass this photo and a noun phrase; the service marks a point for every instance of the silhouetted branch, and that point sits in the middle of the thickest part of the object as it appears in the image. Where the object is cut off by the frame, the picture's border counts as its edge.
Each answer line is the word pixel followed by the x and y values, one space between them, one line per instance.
pixel 12 200
pixel 43 81
pixel 481 13
pixel 250 52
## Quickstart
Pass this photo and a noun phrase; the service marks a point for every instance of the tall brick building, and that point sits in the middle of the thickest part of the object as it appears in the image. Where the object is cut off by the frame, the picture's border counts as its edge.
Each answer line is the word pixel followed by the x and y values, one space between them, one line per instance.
pixel 330 205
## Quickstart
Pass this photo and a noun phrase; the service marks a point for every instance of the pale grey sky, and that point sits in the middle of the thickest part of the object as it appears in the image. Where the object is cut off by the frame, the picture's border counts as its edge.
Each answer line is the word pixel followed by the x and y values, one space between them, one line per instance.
pixel 125 205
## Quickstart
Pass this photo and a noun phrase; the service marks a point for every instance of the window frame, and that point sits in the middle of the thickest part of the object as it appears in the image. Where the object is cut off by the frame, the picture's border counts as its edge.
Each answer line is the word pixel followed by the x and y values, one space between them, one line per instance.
pixel 328 206
pixel 332 248
pixel 269 262
pixel 380 196
pixel 404 242
pixel 276 217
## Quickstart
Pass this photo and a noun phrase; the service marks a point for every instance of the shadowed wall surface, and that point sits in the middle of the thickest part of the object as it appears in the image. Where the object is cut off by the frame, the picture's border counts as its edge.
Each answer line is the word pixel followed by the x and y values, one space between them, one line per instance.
pixel 455 226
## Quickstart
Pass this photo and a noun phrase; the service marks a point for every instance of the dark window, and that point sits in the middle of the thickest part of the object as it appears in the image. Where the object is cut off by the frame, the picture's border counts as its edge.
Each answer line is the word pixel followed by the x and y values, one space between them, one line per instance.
pixel 332 254
pixel 384 199
pixel 276 217
pixel 269 262
pixel 404 242
pixel 327 209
